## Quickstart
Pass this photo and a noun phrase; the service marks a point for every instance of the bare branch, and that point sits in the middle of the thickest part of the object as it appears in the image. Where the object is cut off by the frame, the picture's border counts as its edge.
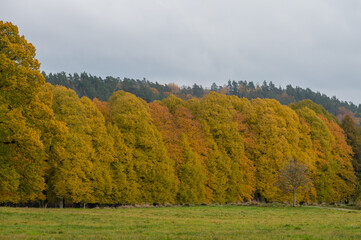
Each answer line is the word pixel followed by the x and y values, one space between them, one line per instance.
pixel 292 176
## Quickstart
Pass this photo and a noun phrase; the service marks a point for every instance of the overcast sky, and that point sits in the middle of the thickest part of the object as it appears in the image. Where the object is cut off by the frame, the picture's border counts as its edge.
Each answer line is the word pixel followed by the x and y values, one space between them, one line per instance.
pixel 306 43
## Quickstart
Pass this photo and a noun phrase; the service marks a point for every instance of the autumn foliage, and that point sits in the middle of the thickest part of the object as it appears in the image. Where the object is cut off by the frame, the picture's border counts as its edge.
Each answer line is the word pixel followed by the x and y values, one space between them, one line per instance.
pixel 55 146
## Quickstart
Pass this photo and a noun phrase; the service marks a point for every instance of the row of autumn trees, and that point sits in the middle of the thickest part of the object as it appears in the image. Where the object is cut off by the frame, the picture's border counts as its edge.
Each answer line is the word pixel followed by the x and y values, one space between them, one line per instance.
pixel 56 146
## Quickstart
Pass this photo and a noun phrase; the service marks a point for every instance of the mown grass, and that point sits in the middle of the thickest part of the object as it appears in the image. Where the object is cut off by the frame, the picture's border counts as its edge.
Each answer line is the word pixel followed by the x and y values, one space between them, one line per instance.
pixel 203 222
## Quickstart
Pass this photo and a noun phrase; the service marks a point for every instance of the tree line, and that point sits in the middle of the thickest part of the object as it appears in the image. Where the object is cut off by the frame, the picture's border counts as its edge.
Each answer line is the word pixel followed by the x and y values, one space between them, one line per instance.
pixel 92 86
pixel 57 147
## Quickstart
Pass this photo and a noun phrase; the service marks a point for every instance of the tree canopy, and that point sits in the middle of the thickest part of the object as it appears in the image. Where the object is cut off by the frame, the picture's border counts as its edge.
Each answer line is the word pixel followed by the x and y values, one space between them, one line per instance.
pixel 58 145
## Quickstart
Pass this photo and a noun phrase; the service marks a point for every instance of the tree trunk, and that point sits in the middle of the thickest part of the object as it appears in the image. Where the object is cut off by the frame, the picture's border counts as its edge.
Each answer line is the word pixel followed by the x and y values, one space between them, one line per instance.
pixel 43 204
pixel 61 203
pixel 294 197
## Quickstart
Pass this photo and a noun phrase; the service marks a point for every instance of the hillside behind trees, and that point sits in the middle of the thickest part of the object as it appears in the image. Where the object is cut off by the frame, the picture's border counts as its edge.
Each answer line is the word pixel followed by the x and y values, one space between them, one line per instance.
pixel 92 86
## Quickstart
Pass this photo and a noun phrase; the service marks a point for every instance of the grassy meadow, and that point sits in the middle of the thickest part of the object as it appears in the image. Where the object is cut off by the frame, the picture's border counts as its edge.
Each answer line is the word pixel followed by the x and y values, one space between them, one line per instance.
pixel 201 222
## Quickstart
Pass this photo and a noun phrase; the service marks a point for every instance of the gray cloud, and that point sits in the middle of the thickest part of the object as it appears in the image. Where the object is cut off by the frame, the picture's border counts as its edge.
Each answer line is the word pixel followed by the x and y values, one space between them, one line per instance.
pixel 313 44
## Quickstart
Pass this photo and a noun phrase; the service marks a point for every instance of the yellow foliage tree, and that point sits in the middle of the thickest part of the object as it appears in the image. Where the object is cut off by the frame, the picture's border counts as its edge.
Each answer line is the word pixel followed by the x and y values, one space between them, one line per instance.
pixel 72 177
pixel 334 178
pixel 102 182
pixel 191 176
pixel 23 137
pixel 218 113
pixel 276 137
pixel 154 169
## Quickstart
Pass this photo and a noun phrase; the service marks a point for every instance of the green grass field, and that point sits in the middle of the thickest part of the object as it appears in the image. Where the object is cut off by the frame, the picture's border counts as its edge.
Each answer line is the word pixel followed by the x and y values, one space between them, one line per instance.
pixel 203 222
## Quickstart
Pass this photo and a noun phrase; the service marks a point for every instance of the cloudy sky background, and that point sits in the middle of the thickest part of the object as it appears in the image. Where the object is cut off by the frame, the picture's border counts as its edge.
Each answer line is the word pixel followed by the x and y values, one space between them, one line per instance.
pixel 306 43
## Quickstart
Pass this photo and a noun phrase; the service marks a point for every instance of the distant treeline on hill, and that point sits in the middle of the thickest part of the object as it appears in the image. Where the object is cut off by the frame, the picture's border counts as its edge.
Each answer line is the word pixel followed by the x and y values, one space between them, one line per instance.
pixel 92 86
